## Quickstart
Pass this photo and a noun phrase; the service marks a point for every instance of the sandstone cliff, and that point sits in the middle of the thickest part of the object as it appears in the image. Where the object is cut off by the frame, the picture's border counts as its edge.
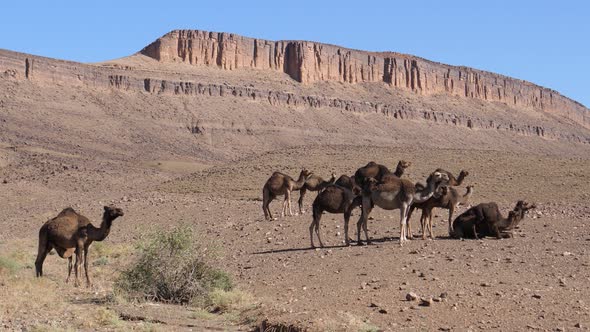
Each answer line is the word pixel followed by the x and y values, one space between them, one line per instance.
pixel 308 62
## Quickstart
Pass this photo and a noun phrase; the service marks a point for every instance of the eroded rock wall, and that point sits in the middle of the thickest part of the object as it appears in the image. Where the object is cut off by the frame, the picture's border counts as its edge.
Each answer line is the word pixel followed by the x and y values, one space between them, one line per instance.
pixel 309 62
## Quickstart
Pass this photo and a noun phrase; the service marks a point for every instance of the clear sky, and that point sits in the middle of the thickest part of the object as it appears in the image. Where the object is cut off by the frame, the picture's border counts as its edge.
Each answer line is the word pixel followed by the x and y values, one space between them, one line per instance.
pixel 545 42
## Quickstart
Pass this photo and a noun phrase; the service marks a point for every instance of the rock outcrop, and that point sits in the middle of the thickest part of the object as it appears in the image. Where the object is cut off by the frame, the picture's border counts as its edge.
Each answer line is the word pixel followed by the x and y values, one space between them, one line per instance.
pixel 309 62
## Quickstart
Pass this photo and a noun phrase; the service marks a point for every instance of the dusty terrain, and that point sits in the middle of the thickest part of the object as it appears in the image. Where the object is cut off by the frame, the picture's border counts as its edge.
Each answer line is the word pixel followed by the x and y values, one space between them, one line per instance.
pixel 202 160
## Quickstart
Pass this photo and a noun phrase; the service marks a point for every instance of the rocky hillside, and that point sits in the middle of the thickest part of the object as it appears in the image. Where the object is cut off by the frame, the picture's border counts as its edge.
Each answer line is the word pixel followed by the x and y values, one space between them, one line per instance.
pixel 195 93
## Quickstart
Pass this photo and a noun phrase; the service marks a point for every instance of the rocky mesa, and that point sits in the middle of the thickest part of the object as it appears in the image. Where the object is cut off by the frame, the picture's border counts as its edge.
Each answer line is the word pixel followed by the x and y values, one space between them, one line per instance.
pixel 309 62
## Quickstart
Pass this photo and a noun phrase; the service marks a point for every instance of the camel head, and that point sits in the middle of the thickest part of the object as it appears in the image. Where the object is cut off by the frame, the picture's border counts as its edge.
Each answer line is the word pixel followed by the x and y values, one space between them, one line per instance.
pixel 305 173
pixel 463 174
pixel 403 164
pixel 333 178
pixel 438 178
pixel 369 185
pixel 441 191
pixel 113 212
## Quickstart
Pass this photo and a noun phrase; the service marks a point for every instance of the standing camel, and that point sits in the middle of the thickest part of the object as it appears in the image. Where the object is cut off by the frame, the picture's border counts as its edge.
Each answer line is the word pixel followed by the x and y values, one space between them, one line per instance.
pixel 333 199
pixel 393 194
pixel 449 199
pixel 313 183
pixel 70 232
pixel 281 184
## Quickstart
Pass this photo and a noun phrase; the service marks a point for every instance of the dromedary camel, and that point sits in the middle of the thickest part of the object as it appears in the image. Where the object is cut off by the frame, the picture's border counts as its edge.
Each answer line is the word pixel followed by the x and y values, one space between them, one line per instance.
pixel 281 184
pixel 378 172
pixel 313 183
pixel 333 199
pixel 485 219
pixel 449 199
pixel 393 194
pixel 452 180
pixel 70 232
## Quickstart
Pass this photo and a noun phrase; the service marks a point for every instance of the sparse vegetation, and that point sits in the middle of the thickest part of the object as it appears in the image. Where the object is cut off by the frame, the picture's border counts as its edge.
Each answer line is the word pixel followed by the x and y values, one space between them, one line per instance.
pixel 172 268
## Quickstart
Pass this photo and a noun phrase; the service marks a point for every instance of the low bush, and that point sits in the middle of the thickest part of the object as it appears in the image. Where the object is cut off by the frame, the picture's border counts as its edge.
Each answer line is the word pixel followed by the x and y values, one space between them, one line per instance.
pixel 172 268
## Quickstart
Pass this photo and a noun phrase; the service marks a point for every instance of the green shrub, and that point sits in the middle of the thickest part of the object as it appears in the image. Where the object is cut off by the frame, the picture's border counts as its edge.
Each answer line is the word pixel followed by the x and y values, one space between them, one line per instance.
pixel 8 265
pixel 172 268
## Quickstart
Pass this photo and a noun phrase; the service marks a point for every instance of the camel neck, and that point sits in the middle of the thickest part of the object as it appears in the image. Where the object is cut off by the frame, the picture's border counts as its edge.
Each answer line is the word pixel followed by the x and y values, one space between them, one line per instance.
pixel 99 234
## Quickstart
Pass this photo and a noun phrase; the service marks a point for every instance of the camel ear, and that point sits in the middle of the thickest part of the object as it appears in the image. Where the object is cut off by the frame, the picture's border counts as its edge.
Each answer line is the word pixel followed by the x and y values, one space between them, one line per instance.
pixel 106 207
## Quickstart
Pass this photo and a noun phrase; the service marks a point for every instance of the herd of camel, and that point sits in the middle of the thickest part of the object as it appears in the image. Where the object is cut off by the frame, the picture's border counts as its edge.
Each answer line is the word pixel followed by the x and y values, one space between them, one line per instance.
pixel 71 234
pixel 375 185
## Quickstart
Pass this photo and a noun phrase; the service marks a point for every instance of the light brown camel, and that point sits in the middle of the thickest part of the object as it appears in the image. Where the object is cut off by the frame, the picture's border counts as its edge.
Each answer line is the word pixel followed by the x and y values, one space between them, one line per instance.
pixel 393 194
pixel 70 232
pixel 449 199
pixel 313 183
pixel 281 184
pixel 452 180
pixel 333 199
pixel 485 219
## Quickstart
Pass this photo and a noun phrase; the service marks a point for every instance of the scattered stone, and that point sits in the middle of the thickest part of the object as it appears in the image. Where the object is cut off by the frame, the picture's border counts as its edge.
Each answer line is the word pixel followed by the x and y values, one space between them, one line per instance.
pixel 382 311
pixel 426 302
pixel 4 181
pixel 578 325
pixel 373 305
pixel 486 284
pixel 436 299
pixel 480 293
pixel 536 296
pixel 411 296
pixel 444 295
pixel 444 328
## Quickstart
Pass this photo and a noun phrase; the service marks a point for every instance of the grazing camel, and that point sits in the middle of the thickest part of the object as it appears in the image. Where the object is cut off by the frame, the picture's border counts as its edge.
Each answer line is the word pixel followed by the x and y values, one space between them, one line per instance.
pixel 449 199
pixel 70 232
pixel 485 219
pixel 281 184
pixel 378 172
pixel 313 183
pixel 333 199
pixel 393 194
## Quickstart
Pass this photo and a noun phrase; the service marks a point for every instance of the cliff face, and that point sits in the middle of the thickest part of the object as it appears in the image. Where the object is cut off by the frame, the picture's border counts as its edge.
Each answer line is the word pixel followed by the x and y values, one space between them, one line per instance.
pixel 309 62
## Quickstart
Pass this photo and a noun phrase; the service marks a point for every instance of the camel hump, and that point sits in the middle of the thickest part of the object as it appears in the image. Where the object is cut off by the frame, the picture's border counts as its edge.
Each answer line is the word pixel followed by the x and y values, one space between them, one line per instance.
pixel 67 210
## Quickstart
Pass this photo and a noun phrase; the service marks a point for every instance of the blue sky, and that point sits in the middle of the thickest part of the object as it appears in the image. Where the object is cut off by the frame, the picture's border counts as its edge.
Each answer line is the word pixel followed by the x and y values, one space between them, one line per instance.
pixel 545 42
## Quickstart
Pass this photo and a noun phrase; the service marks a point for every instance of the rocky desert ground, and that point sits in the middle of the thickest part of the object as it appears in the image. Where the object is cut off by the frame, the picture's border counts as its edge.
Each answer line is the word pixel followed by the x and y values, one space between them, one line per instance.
pixel 181 143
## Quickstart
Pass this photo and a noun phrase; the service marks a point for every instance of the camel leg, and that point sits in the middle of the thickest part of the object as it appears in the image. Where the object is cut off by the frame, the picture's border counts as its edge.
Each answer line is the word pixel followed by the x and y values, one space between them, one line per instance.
pixel 77 265
pixel 88 283
pixel 363 220
pixel 430 224
pixel 410 233
pixel 315 225
pixel 69 269
pixel 423 225
pixel 300 201
pixel 451 211
pixel 403 223
pixel 44 249
pixel 267 197
pixel 475 232
pixel 346 221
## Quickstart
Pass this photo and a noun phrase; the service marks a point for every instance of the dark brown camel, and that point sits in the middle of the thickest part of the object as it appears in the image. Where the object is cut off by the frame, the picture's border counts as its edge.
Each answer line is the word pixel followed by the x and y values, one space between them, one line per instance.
pixel 70 232
pixel 393 194
pixel 449 199
pixel 378 172
pixel 333 199
pixel 313 183
pixel 485 219
pixel 281 184
pixel 348 182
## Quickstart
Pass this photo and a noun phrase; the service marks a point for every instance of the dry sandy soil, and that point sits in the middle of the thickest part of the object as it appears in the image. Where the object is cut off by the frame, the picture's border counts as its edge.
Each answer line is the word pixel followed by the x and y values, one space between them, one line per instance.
pixel 85 148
